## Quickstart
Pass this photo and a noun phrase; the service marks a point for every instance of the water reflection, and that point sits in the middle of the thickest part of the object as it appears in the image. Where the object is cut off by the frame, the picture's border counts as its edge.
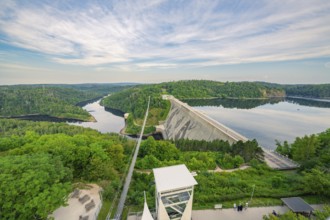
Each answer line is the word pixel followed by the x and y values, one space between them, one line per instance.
pixel 310 102
pixel 275 120
pixel 231 103
pixel 253 103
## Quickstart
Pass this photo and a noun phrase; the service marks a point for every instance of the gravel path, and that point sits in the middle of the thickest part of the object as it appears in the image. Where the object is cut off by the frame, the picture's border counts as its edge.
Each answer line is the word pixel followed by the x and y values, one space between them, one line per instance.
pixel 76 208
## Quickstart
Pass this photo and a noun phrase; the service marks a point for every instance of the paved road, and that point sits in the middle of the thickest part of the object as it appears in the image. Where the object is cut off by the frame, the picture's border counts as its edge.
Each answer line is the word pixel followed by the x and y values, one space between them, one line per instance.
pixel 254 213
pixel 277 161
pixel 130 171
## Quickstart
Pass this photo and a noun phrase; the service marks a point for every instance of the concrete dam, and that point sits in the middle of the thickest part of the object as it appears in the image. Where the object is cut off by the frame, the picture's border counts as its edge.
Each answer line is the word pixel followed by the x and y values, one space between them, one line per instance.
pixel 185 122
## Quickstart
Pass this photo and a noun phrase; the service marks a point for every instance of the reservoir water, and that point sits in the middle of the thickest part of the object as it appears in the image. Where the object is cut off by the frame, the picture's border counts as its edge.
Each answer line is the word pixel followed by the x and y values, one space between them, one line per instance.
pixel 106 121
pixel 268 120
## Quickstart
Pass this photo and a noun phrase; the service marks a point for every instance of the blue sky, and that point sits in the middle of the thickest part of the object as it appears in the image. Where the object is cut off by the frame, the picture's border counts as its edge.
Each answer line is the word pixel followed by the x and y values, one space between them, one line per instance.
pixel 154 40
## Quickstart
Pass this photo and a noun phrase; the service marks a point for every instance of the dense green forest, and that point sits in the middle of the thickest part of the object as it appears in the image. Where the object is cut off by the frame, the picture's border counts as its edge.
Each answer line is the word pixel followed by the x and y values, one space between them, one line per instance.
pixel 45 159
pixel 321 91
pixel 101 89
pixel 213 89
pixel 40 162
pixel 197 155
pixel 59 101
pixel 311 181
pixel 311 151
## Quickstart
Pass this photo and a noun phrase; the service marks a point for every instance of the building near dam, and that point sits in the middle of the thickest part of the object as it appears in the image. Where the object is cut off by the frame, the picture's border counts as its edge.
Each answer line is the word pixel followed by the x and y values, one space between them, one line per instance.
pixel 174 194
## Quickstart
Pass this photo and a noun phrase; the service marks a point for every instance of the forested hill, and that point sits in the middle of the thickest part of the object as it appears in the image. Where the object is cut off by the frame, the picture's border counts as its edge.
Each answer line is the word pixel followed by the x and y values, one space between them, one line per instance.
pixel 134 101
pixel 321 91
pixel 101 88
pixel 212 89
pixel 42 100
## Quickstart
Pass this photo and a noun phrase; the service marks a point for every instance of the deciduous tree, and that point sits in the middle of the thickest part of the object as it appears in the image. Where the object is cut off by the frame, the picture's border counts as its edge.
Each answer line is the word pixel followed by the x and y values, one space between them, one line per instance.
pixel 32 186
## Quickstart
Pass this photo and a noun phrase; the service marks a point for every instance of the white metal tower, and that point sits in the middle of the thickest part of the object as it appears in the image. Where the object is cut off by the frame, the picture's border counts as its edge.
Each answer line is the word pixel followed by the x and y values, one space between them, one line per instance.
pixel 174 192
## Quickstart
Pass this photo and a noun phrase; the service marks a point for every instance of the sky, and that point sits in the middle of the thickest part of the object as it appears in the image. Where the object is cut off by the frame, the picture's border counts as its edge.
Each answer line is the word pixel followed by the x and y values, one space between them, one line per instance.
pixel 150 41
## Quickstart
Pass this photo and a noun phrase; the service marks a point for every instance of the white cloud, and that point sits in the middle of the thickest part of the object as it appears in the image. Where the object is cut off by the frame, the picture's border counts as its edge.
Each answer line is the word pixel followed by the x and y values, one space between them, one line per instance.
pixel 189 33
pixel 159 65
pixel 327 65
pixel 20 67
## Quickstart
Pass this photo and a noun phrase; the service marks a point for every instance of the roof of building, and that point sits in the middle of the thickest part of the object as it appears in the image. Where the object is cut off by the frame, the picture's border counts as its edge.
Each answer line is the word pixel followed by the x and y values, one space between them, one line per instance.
pixel 173 177
pixel 297 204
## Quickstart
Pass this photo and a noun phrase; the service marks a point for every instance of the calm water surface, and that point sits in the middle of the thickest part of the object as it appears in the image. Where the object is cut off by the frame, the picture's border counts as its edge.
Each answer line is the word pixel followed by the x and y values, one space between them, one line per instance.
pixel 267 121
pixel 106 121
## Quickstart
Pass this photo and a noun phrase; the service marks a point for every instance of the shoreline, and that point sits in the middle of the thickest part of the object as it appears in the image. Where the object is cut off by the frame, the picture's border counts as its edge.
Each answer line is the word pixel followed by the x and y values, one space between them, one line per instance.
pixel 44 117
pixel 265 98
pixel 308 98
pixel 235 98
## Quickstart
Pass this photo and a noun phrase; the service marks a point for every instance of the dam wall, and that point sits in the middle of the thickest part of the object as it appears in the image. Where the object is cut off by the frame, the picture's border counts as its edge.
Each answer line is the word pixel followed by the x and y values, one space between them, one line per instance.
pixel 185 122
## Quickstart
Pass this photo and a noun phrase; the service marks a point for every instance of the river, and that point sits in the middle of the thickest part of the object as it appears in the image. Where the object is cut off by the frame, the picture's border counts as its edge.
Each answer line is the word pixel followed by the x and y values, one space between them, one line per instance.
pixel 106 121
pixel 268 120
